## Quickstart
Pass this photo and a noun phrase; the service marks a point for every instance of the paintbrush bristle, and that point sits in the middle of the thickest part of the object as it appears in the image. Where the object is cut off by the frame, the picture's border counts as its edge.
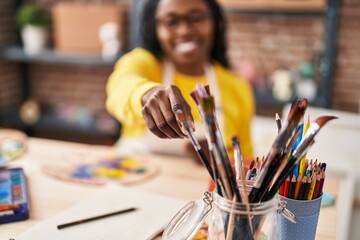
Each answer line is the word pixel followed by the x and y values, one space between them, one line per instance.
pixel 298 110
pixel 201 91
pixel 321 121
pixel 193 96
pixel 207 89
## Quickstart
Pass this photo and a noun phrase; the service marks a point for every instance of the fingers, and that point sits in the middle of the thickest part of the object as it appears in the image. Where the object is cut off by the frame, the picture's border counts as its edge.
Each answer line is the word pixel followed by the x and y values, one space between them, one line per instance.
pixel 151 124
pixel 158 112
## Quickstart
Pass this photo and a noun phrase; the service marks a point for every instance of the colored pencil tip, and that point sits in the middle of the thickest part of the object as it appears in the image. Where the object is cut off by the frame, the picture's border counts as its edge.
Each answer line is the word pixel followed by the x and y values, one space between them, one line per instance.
pixel 321 121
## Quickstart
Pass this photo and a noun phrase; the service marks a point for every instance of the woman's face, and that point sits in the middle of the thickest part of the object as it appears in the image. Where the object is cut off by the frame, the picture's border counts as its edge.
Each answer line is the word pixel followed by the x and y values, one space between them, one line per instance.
pixel 185 31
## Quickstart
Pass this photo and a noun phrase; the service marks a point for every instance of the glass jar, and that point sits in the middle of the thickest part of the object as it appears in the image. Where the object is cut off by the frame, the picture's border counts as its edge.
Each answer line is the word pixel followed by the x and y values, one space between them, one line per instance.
pixel 225 217
pixel 234 219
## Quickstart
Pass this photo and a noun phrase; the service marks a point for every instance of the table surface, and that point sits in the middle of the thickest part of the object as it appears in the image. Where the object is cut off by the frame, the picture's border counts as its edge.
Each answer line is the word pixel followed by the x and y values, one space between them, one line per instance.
pixel 178 177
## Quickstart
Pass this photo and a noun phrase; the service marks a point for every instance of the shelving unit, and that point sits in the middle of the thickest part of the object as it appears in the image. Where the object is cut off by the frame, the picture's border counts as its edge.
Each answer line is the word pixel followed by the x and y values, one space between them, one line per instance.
pixel 49 125
pixel 16 53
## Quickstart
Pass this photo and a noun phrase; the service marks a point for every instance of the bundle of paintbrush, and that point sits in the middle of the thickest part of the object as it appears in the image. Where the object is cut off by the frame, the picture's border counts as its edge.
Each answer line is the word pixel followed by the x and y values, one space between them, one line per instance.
pixel 225 180
pixel 285 154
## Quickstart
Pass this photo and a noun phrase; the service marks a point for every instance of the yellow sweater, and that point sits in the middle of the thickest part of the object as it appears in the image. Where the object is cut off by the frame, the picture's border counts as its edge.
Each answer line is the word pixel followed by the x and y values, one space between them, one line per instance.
pixel 138 71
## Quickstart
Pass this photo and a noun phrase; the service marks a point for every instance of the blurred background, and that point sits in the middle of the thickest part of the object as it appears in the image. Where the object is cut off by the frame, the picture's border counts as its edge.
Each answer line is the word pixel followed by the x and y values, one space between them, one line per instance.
pixel 56 56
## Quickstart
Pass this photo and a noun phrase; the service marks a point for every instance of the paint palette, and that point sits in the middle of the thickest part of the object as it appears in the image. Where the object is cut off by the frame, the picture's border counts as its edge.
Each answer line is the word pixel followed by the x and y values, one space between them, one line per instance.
pixel 12 145
pixel 14 201
pixel 125 170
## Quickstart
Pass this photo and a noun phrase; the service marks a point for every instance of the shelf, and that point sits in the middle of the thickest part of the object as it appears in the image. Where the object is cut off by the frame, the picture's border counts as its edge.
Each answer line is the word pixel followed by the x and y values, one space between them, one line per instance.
pixel 16 53
pixel 265 97
pixel 273 12
pixel 276 5
pixel 50 126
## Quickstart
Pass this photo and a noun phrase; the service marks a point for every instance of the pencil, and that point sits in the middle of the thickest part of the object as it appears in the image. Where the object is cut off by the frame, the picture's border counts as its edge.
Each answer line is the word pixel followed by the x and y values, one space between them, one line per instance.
pixel 292 187
pixel 307 188
pixel 320 191
pixel 302 188
pixel 282 189
pixel 287 186
pixel 297 187
pixel 317 185
pixel 312 187
pixel 65 225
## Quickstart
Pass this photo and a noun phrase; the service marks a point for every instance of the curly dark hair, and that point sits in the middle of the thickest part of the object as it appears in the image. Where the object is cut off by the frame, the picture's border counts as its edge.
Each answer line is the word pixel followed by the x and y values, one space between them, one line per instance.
pixel 151 42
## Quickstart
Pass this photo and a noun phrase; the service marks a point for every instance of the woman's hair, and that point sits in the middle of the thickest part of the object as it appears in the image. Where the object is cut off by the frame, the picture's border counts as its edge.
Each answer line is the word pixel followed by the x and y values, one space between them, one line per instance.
pixel 151 42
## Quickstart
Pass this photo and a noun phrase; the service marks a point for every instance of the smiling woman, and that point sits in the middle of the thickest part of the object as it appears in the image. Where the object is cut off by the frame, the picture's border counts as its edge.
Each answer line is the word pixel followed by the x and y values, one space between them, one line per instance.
pixel 184 45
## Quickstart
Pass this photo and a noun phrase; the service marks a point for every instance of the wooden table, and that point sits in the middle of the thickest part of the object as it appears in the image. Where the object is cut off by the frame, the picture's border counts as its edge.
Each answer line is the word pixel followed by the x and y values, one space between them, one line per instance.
pixel 179 177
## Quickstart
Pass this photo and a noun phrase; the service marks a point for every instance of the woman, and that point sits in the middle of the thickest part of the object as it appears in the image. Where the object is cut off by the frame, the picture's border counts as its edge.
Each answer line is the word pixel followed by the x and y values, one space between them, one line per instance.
pixel 184 44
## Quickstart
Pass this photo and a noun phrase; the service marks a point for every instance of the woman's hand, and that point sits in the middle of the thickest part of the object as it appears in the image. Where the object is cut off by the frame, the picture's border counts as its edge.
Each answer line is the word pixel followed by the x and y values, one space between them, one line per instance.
pixel 159 106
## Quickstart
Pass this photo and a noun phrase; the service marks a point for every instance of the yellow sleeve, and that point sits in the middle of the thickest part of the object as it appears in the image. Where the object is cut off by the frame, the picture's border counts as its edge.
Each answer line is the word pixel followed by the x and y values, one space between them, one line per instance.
pixel 134 74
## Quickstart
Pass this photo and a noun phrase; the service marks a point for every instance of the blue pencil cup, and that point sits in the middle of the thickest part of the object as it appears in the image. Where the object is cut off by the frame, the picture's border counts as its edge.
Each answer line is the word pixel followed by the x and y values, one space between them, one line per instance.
pixel 307 215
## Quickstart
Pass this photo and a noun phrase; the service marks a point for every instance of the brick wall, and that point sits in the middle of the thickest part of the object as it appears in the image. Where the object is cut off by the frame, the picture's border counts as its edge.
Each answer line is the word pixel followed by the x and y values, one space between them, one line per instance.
pixel 79 85
pixel 66 84
pixel 9 77
pixel 278 41
pixel 271 43
pixel 346 91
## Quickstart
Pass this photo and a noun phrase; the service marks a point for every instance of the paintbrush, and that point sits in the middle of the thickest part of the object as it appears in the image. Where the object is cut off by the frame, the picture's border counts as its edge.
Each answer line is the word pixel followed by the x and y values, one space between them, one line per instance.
pixel 277 152
pixel 183 122
pixel 219 185
pixel 240 175
pixel 298 153
pixel 278 122
pixel 217 146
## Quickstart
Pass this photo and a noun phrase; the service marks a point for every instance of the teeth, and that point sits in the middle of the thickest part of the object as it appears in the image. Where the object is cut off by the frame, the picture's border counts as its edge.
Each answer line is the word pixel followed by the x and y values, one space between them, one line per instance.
pixel 185 47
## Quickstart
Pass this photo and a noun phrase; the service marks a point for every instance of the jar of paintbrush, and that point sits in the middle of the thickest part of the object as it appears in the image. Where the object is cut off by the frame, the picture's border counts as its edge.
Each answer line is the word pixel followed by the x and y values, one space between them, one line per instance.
pixel 234 220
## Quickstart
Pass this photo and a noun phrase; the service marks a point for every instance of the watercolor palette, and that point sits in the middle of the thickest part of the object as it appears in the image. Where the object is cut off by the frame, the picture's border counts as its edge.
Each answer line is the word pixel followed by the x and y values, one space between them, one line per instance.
pixel 14 202
pixel 124 170
pixel 12 145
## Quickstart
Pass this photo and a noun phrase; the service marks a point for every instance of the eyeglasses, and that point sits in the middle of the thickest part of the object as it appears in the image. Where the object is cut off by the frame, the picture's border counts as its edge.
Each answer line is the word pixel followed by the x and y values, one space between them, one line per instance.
pixel 172 22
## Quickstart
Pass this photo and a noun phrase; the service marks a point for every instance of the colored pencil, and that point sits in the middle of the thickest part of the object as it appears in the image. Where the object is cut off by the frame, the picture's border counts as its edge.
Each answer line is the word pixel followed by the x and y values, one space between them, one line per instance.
pixel 287 186
pixel 322 180
pixel 312 187
pixel 302 189
pixel 297 187
pixel 292 187
pixel 282 189
pixel 307 188
pixel 317 185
